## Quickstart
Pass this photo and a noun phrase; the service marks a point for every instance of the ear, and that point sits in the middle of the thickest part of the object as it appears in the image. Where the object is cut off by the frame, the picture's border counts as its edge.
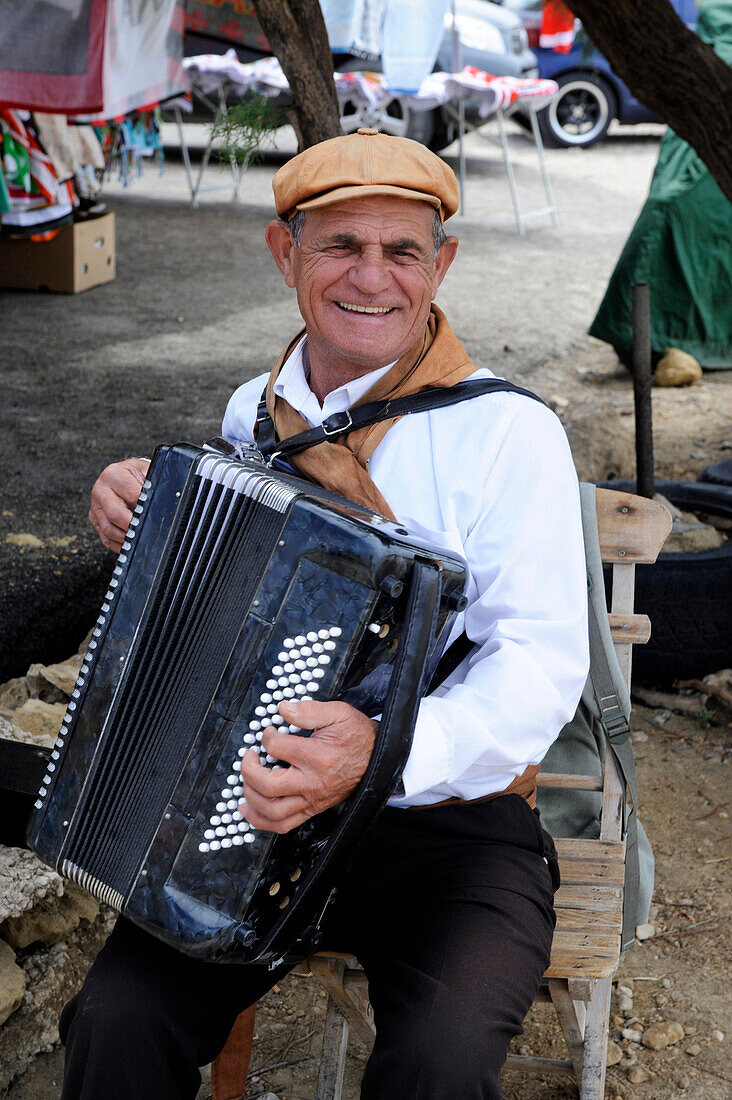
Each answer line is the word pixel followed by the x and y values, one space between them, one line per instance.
pixel 282 246
pixel 444 258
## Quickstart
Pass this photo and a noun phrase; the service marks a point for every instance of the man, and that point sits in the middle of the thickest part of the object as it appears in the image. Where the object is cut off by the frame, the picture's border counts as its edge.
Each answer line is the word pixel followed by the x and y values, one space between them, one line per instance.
pixel 448 902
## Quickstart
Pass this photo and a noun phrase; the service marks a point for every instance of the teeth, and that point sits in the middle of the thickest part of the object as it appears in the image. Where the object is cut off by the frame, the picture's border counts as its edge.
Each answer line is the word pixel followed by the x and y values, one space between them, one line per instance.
pixel 365 309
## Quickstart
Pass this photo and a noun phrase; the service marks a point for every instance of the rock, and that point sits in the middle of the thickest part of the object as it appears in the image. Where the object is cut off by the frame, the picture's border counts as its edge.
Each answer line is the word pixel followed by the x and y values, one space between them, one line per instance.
pixel 677 368
pixel 53 683
pixel 666 983
pixel 625 1004
pixel 694 1049
pixel 639 736
pixel 52 919
pixel 661 999
pixel 631 1034
pixel 24 882
pixel 614 1054
pixel 12 983
pixel 53 974
pixel 688 533
pixel 14 693
pixel 665 1034
pixel 718 1035
pixel 637 1075
pixel 645 932
pixel 41 720
pixel 24 541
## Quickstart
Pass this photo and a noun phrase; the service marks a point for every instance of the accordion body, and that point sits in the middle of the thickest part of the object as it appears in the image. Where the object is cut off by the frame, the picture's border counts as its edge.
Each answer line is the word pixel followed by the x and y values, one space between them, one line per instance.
pixel 237 587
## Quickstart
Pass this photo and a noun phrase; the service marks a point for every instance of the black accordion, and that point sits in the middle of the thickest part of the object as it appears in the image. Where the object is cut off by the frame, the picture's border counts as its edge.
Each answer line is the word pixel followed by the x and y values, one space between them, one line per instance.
pixel 237 586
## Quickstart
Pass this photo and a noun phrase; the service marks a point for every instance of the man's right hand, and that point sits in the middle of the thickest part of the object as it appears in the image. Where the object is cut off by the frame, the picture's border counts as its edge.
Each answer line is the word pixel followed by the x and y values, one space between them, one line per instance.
pixel 113 497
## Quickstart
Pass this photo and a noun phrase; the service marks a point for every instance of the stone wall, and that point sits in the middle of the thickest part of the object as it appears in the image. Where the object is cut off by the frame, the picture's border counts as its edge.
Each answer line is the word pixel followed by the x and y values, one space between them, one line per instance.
pixel 50 930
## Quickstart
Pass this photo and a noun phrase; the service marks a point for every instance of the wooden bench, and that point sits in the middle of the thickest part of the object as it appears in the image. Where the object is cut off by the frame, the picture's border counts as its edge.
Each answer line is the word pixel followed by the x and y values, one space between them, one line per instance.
pixel 589 903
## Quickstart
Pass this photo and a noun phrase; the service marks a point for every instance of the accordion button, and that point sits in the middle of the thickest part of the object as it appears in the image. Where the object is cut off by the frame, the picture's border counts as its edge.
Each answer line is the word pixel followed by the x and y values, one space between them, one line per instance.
pixel 265 697
pixel 237 840
pixel 295 678
pixel 232 805
pixel 324 659
pixel 226 793
pixel 312 662
pixel 277 719
pixel 209 834
pixel 203 847
pixel 42 792
pixel 278 695
pixel 272 708
pixel 215 820
pixel 324 634
pixel 300 639
pixel 319 673
pixel 335 632
pixel 220 807
pixel 261 711
pixel 318 647
pixel 289 643
pixel 288 668
pixel 220 830
pixel 270 759
pixel 249 838
pixel 300 665
pixel 277 670
pixel 254 725
pixel 37 804
pixel 329 646
pixel 283 681
pixel 271 684
pixel 283 655
pixel 312 636
pixel 215 845
pixel 289 693
pixel 226 842
pixel 226 819
pixel 249 738
pixel 294 729
pixel 231 829
pixel 238 791
pixel 300 689
pixel 306 651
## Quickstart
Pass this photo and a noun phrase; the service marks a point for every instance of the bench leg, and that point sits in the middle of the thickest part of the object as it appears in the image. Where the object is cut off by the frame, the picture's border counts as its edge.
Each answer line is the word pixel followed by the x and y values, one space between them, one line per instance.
pixel 572 1016
pixel 592 1086
pixel 333 1058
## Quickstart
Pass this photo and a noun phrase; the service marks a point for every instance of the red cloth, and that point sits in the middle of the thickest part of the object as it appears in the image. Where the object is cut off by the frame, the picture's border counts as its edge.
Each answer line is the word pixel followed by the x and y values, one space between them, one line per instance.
pixel 557 27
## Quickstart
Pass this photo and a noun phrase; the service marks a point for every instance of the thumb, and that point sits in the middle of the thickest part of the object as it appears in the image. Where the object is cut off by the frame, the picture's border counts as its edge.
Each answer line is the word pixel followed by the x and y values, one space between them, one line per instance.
pixel 310 715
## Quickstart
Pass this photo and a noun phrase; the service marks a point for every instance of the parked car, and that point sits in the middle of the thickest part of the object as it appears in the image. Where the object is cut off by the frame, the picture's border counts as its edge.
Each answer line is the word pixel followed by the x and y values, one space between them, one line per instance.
pixel 492 38
pixel 591 94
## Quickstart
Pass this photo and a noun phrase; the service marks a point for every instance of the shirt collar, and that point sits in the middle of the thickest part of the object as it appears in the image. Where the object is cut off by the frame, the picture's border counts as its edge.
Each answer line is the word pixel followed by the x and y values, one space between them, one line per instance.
pixel 293 386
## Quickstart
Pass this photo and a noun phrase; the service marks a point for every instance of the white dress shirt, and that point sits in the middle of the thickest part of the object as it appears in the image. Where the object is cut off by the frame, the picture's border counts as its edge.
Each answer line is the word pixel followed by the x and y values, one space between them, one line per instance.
pixel 491 478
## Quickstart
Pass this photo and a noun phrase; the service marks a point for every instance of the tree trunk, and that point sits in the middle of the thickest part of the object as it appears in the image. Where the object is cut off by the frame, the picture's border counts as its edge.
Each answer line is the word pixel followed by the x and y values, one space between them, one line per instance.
pixel 669 69
pixel 299 40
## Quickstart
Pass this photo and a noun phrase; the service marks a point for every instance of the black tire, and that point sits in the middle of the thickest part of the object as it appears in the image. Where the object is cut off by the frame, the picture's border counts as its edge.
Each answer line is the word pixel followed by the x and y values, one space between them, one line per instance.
pixel 580 113
pixel 394 117
pixel 687 596
pixel 719 473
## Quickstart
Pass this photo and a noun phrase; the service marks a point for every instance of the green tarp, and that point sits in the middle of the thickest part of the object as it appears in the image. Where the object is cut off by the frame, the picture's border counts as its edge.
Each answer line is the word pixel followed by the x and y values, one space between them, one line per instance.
pixel 681 245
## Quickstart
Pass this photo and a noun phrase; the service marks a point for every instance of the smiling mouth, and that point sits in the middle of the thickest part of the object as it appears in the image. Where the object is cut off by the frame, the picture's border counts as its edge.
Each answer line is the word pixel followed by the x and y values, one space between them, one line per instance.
pixel 351 307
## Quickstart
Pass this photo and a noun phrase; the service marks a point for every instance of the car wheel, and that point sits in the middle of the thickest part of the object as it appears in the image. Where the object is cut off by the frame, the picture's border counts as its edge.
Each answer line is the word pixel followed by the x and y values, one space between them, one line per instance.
pixel 719 473
pixel 686 595
pixel 391 117
pixel 580 113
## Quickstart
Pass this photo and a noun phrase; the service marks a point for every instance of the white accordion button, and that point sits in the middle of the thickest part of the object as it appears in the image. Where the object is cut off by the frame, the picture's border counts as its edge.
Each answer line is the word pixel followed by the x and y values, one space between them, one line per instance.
pixel 249 738
pixel 237 840
pixel 209 834
pixel 278 695
pixel 261 712
pixel 323 634
pixel 265 697
pixel 289 643
pixel 318 647
pixel 312 636
pixel 271 684
pixel 249 838
pixel 329 645
pixel 300 640
pixel 300 689
pixel 203 847
pixel 335 632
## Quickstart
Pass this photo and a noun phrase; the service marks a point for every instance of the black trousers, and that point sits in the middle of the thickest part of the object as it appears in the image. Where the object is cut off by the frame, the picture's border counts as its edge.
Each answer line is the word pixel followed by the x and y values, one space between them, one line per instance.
pixel 449 910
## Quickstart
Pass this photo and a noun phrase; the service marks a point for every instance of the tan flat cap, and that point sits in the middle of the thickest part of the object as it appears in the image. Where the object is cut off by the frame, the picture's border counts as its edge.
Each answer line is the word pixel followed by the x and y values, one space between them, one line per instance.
pixel 364 163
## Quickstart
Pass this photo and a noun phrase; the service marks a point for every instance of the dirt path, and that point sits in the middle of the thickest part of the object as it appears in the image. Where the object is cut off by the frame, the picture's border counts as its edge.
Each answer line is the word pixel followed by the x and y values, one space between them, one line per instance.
pixel 197 308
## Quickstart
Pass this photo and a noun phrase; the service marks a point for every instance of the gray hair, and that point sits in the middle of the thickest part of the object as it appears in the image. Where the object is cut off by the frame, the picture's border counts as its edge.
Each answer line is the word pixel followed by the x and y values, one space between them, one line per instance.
pixel 296 223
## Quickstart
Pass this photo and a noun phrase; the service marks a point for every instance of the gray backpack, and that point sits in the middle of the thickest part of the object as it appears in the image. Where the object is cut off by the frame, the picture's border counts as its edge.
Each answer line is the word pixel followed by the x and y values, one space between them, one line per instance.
pixel 602 717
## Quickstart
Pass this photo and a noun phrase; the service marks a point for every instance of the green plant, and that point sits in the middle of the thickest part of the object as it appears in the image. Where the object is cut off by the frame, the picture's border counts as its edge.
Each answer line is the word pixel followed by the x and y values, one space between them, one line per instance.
pixel 246 128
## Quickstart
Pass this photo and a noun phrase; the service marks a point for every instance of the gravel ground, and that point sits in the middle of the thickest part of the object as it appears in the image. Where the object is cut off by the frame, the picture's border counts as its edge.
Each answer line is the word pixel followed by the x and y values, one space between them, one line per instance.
pixel 197 308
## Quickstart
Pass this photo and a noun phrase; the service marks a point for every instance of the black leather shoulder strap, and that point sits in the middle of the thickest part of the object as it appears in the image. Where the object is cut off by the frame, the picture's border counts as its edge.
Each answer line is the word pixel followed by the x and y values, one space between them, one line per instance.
pixel 351 420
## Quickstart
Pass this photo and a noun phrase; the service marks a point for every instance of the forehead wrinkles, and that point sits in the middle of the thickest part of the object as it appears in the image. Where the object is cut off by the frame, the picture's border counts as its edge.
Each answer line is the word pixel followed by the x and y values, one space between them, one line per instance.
pixel 368 227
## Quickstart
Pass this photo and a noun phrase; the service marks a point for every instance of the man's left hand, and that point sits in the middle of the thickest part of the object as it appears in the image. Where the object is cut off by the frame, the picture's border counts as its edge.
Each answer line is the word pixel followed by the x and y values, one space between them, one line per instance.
pixel 324 768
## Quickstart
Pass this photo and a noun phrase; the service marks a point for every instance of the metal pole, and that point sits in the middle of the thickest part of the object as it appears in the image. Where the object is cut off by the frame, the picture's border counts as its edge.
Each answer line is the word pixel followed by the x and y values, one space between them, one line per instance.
pixel 641 321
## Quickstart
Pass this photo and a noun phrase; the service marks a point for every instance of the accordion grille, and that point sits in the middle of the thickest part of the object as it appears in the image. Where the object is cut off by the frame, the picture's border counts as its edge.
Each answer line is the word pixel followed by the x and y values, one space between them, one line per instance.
pixel 212 565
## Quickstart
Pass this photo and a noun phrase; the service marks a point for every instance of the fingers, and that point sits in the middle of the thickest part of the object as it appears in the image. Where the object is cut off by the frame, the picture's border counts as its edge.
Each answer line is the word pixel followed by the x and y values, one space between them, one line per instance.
pixel 113 497
pixel 311 715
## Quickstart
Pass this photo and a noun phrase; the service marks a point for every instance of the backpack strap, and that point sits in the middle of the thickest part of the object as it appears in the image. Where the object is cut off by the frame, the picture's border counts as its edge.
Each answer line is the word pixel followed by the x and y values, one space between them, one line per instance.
pixel 338 424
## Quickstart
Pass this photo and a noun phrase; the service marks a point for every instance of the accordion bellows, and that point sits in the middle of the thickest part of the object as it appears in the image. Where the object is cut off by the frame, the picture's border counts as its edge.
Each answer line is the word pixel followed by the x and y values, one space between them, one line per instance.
pixel 237 587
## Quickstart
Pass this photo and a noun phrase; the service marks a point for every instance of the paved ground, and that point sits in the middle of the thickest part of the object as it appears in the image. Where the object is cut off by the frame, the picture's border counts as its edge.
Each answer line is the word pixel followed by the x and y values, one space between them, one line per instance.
pixel 198 307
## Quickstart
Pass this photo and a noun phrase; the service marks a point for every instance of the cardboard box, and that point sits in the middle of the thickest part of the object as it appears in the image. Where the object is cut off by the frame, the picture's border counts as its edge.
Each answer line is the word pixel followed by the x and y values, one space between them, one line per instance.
pixel 79 256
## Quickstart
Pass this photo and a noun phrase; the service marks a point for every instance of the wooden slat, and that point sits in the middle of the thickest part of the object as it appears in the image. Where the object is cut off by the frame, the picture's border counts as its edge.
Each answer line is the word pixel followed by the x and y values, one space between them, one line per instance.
pixel 572 1018
pixel 596 899
pixel 632 528
pixel 587 848
pixel 574 920
pixel 571 782
pixel 599 943
pixel 630 629
pixel 541 1065
pixel 585 872
pixel 588 964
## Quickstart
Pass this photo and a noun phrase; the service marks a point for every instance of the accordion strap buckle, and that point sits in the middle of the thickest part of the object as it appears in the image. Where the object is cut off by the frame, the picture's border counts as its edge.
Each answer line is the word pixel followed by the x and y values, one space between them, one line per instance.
pixel 337 423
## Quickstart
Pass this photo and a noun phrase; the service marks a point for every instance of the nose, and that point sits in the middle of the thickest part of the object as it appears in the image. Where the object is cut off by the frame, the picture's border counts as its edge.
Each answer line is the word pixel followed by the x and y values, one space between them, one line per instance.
pixel 369 272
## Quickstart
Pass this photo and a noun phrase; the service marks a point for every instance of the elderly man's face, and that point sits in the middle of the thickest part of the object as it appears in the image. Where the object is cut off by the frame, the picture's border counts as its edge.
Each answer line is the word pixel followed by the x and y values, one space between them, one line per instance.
pixel 365 275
